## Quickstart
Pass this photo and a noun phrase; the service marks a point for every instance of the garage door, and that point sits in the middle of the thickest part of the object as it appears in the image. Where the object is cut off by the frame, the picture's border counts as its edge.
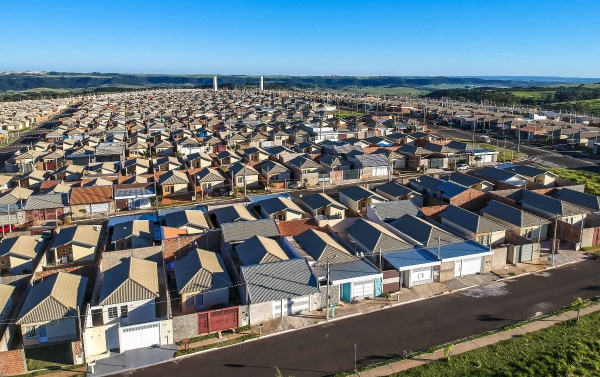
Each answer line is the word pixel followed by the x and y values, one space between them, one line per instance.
pixel 140 336
pixel 487 158
pixel 291 306
pixel 526 253
pixel 421 276
pixel 363 289
pixel 467 267
pixel 99 208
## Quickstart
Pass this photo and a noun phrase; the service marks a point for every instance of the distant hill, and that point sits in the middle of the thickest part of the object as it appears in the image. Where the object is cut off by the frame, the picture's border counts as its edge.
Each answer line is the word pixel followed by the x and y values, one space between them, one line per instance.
pixel 30 85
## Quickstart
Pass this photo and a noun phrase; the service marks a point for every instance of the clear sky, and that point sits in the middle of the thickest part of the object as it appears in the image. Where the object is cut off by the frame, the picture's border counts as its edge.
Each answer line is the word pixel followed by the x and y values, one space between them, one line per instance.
pixel 288 37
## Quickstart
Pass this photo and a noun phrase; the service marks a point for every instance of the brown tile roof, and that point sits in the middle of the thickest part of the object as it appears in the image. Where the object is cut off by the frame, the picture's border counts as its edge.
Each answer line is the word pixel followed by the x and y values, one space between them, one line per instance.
pixel 295 227
pixel 89 195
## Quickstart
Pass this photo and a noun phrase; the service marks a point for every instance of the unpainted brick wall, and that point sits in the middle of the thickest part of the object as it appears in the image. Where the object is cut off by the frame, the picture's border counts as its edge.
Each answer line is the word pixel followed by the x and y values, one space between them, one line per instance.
pixel 176 248
pixel 12 362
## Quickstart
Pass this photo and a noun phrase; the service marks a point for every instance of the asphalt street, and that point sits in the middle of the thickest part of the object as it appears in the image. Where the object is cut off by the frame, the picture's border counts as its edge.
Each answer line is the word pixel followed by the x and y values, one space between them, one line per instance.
pixel 568 159
pixel 328 349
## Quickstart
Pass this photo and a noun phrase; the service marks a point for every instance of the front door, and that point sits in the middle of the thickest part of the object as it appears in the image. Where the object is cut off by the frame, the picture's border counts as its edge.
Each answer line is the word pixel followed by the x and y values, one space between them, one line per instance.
pixel 43 333
pixel 199 302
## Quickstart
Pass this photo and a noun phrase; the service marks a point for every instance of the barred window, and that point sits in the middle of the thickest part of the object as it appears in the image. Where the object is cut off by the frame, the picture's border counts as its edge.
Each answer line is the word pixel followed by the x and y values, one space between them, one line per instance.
pixel 112 312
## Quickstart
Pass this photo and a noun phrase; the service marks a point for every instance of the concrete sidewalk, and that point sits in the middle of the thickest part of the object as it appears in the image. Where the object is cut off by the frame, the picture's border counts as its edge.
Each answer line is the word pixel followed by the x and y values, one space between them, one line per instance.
pixel 469 345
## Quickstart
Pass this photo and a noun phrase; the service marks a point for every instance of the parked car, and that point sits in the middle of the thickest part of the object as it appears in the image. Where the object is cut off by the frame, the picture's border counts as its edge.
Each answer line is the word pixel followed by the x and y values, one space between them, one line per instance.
pixel 7 228
pixel 461 167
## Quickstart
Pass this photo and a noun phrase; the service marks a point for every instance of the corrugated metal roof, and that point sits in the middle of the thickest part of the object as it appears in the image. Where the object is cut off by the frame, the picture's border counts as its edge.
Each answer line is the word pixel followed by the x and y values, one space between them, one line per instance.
pixel 24 246
pixel 374 237
pixel 91 195
pixel 349 270
pixel 422 231
pixel 410 258
pixel 279 280
pixel 81 234
pixel 321 246
pixel 47 201
pixel 459 250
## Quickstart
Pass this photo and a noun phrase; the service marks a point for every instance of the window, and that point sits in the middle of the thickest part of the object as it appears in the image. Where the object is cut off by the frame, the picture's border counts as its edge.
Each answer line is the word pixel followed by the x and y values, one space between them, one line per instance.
pixel 70 251
pixel 240 180
pixel 30 332
pixel 167 189
pixel 64 252
pixel 189 301
pixel 112 312
pixel 3 262
pixel 124 312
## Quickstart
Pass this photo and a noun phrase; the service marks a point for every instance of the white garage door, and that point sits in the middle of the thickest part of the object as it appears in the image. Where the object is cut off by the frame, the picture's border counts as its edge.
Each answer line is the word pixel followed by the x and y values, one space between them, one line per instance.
pixel 99 208
pixel 377 171
pixel 420 276
pixel 140 336
pixel 363 289
pixel 467 267
pixel 5 219
pixel 291 306
pixel 487 158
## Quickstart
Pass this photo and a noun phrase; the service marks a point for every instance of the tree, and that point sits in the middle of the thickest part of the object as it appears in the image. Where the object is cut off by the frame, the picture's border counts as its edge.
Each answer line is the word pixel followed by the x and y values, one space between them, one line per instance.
pixel 579 304
pixel 447 351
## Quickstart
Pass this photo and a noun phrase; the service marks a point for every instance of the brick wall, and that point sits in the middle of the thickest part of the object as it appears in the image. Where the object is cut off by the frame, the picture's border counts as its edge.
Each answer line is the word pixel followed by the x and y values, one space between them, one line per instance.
pixel 434 211
pixel 472 200
pixel 176 248
pixel 12 362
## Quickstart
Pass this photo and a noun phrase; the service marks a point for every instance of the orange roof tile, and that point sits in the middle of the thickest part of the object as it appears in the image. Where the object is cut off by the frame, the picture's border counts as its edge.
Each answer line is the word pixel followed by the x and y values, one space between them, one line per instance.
pixel 295 227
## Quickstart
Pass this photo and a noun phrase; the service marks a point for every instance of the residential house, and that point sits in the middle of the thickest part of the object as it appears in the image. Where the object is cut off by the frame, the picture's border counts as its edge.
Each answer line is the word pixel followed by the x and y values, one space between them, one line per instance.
pixel 357 198
pixel 167 163
pixel 199 161
pixel 469 181
pixel 395 191
pixel 33 179
pixel 522 223
pixel 355 278
pixel 501 176
pixel 279 208
pixel 425 184
pixel 469 224
pixel 386 212
pixel 92 200
pixel 69 173
pixel 137 166
pixel 50 312
pixel 581 199
pixel 47 207
pixel 134 195
pixel 258 249
pixel 372 165
pixel 240 173
pixel 110 152
pixel 275 172
pixel 191 220
pixel 254 154
pixel 209 179
pixel 173 182
pixel 227 158
pixel 278 289
pixel 163 148
pixel 5 182
pixel 373 239
pixel 128 298
pixel 540 176
pixel 231 214
pixel 323 205
pixel 17 254
pixel 550 207
pixel 202 281
pixel 75 244
pixel 133 234
pixel 423 232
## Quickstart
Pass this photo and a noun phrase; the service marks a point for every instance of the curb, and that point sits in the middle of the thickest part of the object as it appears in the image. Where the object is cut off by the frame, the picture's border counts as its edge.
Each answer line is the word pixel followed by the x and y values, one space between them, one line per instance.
pixel 331 320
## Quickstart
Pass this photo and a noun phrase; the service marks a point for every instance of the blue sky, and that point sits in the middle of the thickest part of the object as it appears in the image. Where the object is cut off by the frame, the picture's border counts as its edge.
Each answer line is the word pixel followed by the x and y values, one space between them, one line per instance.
pixel 401 37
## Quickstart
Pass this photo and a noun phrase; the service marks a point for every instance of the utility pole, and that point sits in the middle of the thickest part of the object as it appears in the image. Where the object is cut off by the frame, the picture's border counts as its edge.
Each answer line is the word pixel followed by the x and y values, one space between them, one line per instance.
pixel 327 289
pixel 554 239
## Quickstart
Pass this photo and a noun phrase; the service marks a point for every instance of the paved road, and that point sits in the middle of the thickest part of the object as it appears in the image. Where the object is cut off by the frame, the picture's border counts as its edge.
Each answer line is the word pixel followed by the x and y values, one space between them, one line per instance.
pixel 328 349
pixel 567 159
